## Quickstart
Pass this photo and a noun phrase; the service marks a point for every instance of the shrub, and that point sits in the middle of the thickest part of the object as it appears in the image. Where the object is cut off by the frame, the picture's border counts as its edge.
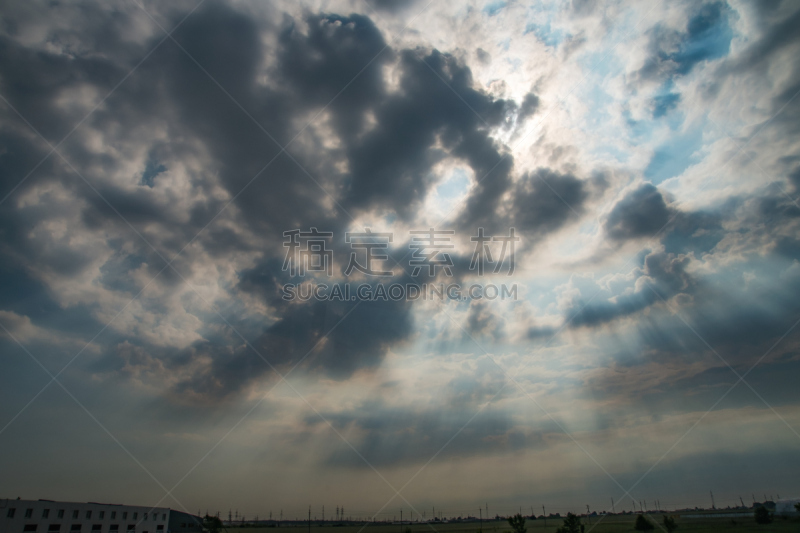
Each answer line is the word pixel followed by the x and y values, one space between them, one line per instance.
pixel 517 523
pixel 572 524
pixel 643 524
pixel 762 515
pixel 669 524
pixel 212 523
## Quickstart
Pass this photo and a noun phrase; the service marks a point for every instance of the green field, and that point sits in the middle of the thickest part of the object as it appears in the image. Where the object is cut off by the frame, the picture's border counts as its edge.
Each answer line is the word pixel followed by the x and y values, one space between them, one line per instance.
pixel 600 524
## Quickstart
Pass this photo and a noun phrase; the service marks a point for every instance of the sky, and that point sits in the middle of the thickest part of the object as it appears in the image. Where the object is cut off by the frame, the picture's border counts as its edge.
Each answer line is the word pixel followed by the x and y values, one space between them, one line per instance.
pixel 163 165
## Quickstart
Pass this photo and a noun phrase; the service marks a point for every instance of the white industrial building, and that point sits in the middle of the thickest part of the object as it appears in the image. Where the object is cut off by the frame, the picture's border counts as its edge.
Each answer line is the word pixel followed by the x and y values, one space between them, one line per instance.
pixel 46 516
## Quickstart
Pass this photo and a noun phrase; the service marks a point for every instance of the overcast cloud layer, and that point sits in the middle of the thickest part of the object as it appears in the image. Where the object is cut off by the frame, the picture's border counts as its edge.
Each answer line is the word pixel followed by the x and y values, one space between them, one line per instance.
pixel 152 156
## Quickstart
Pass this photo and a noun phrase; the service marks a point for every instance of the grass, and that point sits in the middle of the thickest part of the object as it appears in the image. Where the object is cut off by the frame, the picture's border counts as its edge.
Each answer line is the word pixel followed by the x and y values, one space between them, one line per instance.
pixel 609 524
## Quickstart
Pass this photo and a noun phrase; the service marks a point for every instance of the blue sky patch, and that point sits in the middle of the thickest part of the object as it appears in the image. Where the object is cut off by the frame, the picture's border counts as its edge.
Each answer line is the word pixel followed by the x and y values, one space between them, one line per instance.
pixel 664 103
pixel 546 34
pixel 494 8
pixel 672 158
pixel 151 170
pixel 708 37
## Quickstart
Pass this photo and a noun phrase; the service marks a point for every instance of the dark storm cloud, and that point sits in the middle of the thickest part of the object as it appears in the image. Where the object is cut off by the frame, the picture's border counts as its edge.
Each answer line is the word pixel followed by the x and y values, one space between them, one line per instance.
pixel 641 213
pixel 645 214
pixel 332 55
pixel 391 165
pixel 544 201
pixel 174 117
pixel 316 334
pixel 664 275
pixel 529 105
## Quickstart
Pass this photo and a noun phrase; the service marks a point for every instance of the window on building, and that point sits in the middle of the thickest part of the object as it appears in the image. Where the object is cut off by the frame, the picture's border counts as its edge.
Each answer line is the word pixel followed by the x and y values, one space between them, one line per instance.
pixel 113 527
pixel 145 518
pixel 113 515
pixel 45 513
pixel 164 516
pixel 75 527
pixel 29 527
pixel 75 513
pixel 11 512
pixel 61 513
pixel 124 516
pixel 28 513
pixel 54 527
pixel 88 515
pixel 97 527
pixel 131 527
pixel 159 527
pixel 102 515
pixel 135 516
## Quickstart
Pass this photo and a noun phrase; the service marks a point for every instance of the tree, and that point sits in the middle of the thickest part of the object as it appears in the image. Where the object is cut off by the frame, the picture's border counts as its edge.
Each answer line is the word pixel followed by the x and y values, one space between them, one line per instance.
pixel 762 515
pixel 643 524
pixel 517 523
pixel 669 524
pixel 572 524
pixel 212 523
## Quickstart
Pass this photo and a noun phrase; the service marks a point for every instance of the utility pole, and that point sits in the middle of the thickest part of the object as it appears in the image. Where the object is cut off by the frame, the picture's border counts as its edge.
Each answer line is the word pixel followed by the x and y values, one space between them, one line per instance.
pixel 544 513
pixel 587 516
pixel 741 500
pixel 612 506
pixel 309 519
pixel 712 500
pixel 645 506
pixel 480 519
